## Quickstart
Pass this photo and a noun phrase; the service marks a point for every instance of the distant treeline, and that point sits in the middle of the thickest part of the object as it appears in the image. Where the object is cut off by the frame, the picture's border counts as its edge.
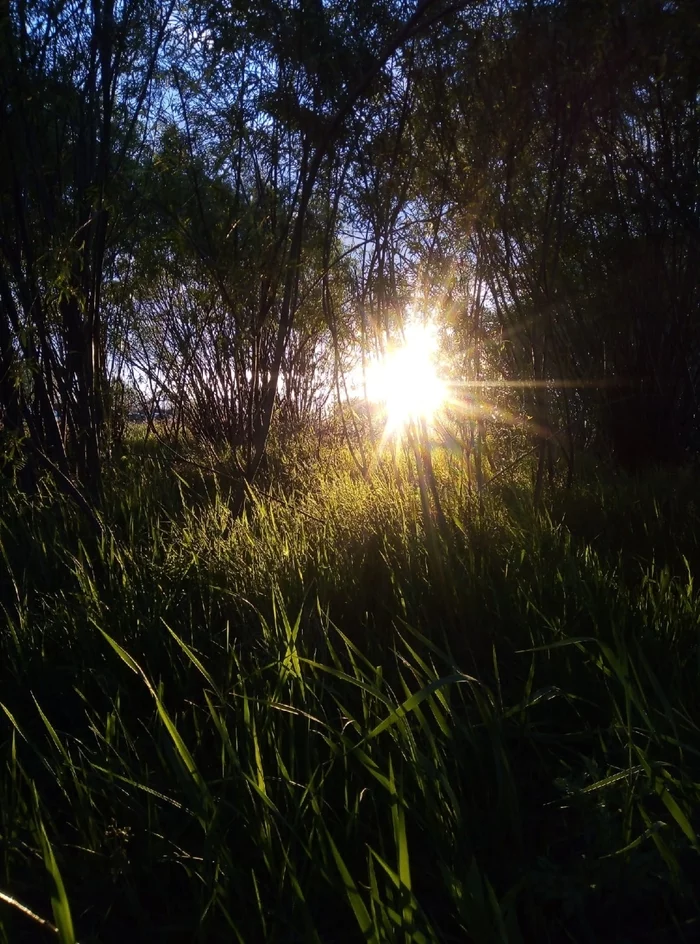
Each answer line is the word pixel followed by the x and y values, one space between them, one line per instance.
pixel 222 205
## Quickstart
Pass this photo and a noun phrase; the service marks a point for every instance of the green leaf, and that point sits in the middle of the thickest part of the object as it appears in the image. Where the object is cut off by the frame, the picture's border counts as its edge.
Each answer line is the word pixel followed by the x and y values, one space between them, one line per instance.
pixel 354 897
pixel 410 703
pixel 59 899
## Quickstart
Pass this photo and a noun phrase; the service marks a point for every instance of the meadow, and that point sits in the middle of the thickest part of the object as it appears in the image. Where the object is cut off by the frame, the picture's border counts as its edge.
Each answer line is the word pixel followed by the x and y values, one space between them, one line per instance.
pixel 331 720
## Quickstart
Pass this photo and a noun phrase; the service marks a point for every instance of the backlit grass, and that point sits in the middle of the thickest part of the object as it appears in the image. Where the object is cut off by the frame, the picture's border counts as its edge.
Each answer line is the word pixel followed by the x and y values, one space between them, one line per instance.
pixel 319 722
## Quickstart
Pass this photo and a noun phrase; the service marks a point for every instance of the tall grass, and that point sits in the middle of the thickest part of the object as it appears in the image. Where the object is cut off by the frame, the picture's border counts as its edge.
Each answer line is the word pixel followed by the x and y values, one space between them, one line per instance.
pixel 312 723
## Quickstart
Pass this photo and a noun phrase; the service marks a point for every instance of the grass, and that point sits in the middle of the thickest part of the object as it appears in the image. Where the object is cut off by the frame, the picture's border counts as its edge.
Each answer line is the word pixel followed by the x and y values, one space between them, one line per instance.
pixel 319 723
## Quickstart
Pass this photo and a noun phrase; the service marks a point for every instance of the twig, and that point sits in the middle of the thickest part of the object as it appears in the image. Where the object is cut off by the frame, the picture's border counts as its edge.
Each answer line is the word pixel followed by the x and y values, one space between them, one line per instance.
pixel 512 465
pixel 8 899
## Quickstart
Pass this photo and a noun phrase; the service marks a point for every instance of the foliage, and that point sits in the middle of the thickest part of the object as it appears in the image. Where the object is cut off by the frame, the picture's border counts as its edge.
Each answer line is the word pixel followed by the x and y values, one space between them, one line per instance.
pixel 315 722
pixel 227 206
pixel 257 682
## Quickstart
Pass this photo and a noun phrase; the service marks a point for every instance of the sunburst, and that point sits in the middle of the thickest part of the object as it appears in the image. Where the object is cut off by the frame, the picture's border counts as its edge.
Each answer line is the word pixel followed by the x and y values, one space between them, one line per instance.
pixel 406 381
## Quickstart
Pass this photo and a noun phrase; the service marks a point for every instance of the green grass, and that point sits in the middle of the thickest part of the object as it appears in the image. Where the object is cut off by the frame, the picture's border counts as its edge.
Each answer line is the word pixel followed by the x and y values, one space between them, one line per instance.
pixel 319 723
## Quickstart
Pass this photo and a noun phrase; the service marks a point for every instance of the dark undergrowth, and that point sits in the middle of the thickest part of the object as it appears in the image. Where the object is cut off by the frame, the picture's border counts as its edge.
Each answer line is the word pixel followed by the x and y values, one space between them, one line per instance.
pixel 329 721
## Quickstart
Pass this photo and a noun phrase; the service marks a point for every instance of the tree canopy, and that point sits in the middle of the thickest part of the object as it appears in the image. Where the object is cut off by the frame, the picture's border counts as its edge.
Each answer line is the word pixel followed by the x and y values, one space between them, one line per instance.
pixel 219 208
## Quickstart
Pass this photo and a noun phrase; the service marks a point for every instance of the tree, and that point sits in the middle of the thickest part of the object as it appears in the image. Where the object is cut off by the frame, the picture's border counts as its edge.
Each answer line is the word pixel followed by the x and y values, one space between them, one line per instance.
pixel 75 81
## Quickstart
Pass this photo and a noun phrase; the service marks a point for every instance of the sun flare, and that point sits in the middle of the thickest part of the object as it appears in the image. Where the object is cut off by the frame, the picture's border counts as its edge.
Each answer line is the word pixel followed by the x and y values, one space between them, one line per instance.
pixel 405 381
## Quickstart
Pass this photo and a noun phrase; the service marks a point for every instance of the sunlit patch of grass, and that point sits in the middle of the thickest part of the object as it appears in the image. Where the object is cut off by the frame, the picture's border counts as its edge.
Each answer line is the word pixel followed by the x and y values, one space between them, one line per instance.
pixel 300 725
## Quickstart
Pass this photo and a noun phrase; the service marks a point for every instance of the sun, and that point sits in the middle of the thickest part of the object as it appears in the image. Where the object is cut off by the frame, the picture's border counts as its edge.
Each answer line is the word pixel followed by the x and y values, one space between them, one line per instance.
pixel 405 381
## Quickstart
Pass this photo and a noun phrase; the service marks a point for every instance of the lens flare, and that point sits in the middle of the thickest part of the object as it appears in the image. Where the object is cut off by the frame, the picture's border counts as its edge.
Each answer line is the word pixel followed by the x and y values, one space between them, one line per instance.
pixel 406 382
